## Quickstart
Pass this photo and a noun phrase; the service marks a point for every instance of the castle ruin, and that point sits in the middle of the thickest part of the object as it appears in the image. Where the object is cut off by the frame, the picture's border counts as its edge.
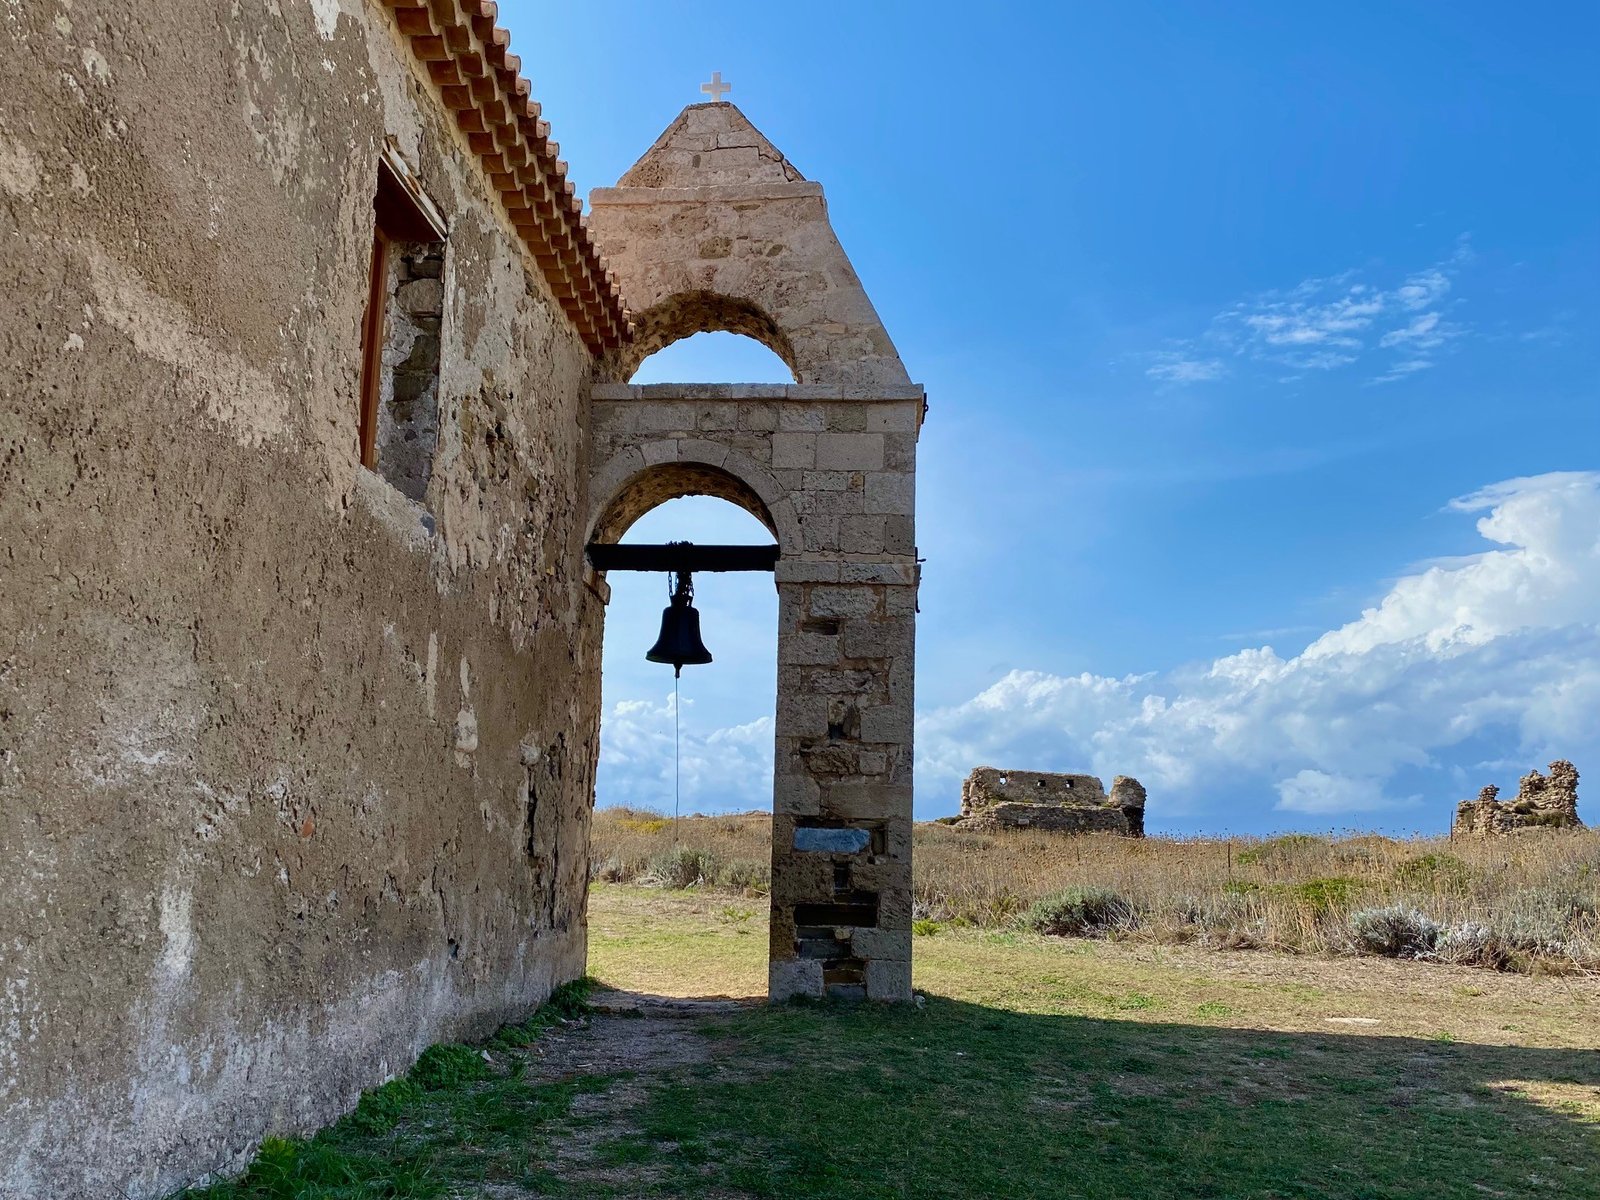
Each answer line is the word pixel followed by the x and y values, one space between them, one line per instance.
pixel 995 799
pixel 1542 802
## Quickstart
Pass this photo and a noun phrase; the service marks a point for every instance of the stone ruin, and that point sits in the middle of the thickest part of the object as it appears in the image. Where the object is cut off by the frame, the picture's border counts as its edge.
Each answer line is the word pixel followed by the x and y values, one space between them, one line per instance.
pixel 995 799
pixel 1543 802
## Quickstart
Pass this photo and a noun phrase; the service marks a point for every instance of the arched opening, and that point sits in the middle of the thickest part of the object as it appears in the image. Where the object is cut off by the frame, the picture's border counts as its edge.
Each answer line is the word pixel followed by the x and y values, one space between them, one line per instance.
pixel 714 357
pixel 687 313
pixel 727 706
pixel 652 487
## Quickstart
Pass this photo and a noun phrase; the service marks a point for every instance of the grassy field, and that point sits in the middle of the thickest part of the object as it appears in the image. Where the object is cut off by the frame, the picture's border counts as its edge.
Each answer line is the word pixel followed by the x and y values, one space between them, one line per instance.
pixel 1036 1067
pixel 1527 903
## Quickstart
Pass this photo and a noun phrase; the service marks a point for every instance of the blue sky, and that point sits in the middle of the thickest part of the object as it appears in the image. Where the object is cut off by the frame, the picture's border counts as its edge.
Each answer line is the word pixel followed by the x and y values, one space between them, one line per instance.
pixel 1235 320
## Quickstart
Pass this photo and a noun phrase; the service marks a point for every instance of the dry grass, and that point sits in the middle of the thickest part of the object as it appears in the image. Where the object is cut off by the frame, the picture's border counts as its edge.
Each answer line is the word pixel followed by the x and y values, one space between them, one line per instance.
pixel 1525 903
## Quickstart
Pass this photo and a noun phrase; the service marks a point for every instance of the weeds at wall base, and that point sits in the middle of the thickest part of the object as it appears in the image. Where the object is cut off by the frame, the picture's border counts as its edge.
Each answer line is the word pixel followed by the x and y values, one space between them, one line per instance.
pixel 454 1092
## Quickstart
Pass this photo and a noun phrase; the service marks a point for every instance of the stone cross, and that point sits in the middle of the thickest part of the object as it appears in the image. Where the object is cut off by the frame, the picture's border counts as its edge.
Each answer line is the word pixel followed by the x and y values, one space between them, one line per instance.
pixel 716 89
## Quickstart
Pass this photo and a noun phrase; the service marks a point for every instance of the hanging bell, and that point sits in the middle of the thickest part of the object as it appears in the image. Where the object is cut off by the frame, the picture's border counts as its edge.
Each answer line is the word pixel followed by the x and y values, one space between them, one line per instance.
pixel 679 643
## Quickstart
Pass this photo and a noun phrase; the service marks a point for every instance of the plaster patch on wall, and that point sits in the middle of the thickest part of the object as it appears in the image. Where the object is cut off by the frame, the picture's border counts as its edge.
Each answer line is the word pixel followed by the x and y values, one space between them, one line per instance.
pixel 20 171
pixel 431 680
pixel 95 63
pixel 177 930
pixel 326 15
pixel 229 389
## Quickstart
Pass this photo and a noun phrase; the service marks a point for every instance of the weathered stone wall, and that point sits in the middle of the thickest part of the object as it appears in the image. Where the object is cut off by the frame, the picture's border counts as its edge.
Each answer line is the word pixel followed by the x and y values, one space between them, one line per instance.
pixel 996 799
pixel 1542 802
pixel 294 773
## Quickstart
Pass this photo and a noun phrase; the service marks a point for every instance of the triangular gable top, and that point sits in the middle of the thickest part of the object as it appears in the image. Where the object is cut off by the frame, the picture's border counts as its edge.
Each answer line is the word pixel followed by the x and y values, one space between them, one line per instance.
pixel 708 145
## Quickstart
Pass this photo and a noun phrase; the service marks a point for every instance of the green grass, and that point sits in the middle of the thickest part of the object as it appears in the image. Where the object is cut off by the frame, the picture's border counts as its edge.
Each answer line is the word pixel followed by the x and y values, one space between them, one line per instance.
pixel 1049 1068
pixel 961 1100
pixel 1038 1068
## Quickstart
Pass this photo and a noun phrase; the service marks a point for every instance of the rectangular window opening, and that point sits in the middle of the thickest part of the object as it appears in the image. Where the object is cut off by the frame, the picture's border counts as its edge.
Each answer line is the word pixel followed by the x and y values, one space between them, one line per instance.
pixel 401 337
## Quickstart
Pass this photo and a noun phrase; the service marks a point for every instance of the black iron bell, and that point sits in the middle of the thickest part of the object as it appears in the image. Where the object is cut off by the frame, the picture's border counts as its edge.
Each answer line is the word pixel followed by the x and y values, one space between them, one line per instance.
pixel 679 643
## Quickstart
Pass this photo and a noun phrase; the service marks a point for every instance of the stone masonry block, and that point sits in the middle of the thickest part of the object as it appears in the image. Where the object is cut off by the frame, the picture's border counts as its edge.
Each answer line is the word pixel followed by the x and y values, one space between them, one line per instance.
pixel 891 492
pixel 882 638
pixel 796 796
pixel 900 452
pixel 844 601
pixel 794 450
pixel 795 417
pixel 655 453
pixel 899 535
pixel 850 451
pixel 760 418
pixel 665 418
pixel 803 977
pixel 862 535
pixel 888 979
pixel 831 481
pixel 859 799
pixel 897 417
pixel 887 722
pixel 808 649
pixel 724 415
pixel 900 601
pixel 899 574
pixel 848 418
pixel 890 944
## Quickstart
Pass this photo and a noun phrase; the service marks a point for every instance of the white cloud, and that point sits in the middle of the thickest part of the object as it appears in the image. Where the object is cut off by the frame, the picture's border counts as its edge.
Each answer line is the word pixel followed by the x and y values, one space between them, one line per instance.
pixel 1174 367
pixel 1317 792
pixel 1325 324
pixel 720 769
pixel 1493 655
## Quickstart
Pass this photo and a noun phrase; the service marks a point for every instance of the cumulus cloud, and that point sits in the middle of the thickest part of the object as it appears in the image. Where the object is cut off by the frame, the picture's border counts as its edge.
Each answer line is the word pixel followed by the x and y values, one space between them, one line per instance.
pixel 1496 654
pixel 721 769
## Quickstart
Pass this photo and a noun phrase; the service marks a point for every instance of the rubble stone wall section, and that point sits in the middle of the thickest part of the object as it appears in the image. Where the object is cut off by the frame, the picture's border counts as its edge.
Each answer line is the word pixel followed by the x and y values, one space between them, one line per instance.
pixel 1542 802
pixel 295 773
pixel 1000 799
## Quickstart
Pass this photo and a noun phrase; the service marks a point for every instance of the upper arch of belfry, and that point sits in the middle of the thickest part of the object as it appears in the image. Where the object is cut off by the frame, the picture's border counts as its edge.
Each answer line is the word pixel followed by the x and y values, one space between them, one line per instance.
pixel 713 229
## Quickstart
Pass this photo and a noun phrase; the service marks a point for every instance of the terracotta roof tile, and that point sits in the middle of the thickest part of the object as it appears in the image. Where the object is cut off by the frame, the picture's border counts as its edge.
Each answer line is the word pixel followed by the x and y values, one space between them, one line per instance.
pixel 468 58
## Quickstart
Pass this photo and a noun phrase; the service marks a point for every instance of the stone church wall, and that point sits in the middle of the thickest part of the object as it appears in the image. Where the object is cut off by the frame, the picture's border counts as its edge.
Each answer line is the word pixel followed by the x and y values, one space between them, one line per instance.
pixel 294 773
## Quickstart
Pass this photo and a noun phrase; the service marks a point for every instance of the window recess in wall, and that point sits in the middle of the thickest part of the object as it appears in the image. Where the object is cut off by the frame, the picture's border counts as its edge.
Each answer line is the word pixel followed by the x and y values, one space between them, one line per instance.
pixel 400 339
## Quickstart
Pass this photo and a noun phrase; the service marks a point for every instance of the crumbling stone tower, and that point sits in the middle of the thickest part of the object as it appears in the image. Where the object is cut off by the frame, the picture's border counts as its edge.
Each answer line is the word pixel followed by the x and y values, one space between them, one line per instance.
pixel 713 229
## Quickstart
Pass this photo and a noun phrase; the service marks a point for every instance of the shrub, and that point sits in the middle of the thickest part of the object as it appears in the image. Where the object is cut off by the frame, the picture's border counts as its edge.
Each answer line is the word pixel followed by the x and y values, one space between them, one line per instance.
pixel 1281 849
pixel 1395 931
pixel 925 928
pixel 746 875
pixel 682 867
pixel 1472 944
pixel 1079 912
pixel 1322 896
pixel 1434 872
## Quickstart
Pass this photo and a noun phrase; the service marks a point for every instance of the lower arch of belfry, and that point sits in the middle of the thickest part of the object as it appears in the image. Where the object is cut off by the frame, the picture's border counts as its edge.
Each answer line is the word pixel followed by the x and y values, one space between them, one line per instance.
pixel 714 229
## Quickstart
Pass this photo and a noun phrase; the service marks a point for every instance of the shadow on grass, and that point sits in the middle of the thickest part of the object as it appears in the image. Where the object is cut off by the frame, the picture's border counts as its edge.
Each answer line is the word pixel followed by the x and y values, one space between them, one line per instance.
pixel 959 1100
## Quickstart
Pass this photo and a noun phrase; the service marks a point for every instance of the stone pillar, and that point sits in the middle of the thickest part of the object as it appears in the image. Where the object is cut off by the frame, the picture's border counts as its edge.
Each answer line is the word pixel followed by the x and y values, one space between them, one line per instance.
pixel 841 830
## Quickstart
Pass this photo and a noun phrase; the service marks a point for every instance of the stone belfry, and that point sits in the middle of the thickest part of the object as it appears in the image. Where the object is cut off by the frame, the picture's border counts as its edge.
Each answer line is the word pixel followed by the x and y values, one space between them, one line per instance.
pixel 714 229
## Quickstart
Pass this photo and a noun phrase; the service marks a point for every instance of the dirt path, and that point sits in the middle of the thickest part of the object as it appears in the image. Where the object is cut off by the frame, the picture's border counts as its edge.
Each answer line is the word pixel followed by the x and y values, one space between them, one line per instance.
pixel 630 1043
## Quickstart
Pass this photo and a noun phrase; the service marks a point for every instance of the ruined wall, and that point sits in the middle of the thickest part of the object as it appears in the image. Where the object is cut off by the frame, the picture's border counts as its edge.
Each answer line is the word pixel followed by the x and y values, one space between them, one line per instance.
pixel 1542 802
pixel 996 799
pixel 294 773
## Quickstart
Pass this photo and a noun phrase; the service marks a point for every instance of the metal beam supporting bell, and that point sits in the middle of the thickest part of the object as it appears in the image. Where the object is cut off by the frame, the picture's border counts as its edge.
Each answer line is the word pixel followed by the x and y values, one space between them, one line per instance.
pixel 679 643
